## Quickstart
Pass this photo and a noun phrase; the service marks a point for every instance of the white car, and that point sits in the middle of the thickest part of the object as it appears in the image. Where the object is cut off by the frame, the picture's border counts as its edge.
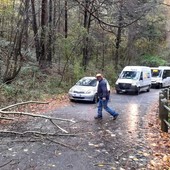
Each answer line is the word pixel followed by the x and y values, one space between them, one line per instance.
pixel 85 89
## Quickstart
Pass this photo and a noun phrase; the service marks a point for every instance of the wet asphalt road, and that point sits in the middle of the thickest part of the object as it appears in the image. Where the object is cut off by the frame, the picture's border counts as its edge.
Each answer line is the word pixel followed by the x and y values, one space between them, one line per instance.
pixel 99 144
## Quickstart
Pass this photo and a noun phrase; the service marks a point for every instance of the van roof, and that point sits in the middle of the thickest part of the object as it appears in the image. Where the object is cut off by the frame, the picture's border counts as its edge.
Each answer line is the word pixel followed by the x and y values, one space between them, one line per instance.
pixel 161 67
pixel 164 67
pixel 135 67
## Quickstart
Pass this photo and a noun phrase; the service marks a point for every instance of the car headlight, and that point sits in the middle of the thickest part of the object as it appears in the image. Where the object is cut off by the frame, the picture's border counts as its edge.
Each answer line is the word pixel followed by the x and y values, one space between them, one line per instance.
pixel 88 92
pixel 71 90
pixel 159 80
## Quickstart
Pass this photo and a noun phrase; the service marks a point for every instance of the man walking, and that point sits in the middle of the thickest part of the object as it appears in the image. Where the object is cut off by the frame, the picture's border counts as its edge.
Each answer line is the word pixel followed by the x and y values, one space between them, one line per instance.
pixel 103 94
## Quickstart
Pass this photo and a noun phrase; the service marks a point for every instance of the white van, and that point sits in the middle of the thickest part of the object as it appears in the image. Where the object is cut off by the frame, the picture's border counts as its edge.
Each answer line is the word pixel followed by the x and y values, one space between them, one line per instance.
pixel 160 76
pixel 134 79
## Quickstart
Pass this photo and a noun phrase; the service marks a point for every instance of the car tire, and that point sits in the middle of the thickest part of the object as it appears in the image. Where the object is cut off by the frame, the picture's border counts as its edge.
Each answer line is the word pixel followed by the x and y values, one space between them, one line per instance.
pixel 95 99
pixel 148 90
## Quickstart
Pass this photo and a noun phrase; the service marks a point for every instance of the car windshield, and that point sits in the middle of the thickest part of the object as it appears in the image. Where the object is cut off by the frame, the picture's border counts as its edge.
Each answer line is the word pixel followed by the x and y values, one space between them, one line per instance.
pixel 130 75
pixel 155 72
pixel 87 82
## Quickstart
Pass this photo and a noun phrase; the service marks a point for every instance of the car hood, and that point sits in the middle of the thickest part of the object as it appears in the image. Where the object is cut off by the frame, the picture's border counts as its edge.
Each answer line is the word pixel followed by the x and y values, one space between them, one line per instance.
pixel 83 88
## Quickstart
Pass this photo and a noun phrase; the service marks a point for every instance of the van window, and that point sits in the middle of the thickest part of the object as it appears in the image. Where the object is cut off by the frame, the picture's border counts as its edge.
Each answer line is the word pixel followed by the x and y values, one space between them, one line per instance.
pixel 166 73
pixel 146 75
pixel 129 75
pixel 156 72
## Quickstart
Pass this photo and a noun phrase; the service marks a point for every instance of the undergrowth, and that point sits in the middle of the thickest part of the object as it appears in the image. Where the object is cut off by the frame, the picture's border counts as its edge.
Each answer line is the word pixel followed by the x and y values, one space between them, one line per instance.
pixel 32 84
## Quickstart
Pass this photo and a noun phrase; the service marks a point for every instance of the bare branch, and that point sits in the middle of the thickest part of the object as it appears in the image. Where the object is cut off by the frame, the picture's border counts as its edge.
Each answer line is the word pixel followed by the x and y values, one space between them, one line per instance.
pixel 36 115
pixel 58 126
pixel 4 112
pixel 168 5
pixel 6 163
pixel 6 118
pixel 23 103
pixel 38 133
pixel 113 25
pixel 62 144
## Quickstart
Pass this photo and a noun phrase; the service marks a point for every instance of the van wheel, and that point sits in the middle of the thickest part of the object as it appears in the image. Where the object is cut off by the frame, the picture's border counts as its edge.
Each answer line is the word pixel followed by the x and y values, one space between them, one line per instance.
pixel 160 86
pixel 117 91
pixel 138 91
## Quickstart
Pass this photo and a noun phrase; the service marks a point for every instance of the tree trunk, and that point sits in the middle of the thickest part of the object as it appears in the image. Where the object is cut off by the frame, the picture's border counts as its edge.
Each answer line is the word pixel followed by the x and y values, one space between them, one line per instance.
pixel 35 30
pixel 43 64
pixel 50 35
pixel 118 36
pixel 86 39
pixel 66 18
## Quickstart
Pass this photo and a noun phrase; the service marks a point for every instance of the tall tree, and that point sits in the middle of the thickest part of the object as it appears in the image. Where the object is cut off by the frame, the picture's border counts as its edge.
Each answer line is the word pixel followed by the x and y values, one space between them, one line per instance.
pixel 66 19
pixel 35 30
pixel 43 50
pixel 50 35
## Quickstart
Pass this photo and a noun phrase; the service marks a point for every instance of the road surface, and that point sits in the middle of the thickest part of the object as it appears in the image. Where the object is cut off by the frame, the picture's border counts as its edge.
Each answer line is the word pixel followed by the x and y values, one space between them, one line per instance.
pixel 96 145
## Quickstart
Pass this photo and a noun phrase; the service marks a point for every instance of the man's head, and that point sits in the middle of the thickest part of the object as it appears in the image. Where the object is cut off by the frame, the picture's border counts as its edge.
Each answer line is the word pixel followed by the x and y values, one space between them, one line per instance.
pixel 99 76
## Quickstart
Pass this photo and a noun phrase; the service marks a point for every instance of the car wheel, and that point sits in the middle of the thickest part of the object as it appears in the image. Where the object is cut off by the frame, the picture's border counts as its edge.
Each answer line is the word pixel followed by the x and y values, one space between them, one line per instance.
pixel 95 99
pixel 148 90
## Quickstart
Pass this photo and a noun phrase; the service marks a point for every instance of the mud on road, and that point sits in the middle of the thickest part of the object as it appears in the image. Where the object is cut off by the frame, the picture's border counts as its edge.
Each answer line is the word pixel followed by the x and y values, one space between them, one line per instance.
pixel 94 144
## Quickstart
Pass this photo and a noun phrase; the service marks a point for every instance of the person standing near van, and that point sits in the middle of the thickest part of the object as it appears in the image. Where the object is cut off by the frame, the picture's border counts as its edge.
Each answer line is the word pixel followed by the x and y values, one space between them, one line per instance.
pixel 103 94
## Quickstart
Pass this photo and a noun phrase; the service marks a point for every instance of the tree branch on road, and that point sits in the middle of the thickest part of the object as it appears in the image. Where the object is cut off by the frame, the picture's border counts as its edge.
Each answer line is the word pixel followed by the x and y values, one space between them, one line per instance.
pixel 5 111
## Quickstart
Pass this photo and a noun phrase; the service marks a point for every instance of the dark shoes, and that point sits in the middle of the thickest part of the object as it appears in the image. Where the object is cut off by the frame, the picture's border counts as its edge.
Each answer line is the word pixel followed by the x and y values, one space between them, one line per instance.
pixel 115 117
pixel 98 117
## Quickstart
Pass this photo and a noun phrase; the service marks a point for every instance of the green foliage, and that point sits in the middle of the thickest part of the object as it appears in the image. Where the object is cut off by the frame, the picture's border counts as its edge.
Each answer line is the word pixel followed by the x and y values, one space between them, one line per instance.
pixel 78 70
pixel 9 90
pixel 110 75
pixel 32 84
pixel 152 61
pixel 70 46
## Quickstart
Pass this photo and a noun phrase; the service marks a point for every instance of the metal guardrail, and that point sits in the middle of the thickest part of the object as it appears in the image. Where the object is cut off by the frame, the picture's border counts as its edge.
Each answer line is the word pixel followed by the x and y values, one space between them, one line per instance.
pixel 164 109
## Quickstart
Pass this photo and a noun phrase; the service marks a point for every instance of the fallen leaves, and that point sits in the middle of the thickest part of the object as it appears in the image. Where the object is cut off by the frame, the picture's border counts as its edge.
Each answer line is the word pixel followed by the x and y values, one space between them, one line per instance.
pixel 159 142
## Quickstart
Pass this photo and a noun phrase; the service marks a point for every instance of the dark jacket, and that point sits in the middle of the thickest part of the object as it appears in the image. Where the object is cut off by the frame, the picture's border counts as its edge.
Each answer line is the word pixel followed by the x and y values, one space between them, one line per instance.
pixel 102 89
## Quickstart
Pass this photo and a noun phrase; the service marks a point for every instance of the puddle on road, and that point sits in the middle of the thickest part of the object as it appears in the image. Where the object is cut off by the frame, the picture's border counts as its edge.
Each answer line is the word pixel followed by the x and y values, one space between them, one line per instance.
pixel 133 118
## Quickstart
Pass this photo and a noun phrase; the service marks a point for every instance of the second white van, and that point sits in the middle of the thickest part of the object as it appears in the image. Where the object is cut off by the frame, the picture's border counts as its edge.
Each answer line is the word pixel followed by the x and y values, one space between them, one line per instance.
pixel 160 76
pixel 134 79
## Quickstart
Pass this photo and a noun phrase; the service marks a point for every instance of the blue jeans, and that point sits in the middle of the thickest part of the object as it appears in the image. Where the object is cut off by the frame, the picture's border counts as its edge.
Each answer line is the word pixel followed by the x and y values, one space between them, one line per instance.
pixel 103 104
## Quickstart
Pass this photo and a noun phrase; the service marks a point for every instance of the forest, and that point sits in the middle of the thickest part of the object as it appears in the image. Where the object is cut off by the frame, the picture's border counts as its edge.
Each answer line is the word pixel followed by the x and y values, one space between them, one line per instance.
pixel 47 45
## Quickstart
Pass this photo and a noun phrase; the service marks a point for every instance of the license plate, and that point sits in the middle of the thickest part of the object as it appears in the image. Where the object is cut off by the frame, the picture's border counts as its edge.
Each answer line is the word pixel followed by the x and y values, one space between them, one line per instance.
pixel 77 95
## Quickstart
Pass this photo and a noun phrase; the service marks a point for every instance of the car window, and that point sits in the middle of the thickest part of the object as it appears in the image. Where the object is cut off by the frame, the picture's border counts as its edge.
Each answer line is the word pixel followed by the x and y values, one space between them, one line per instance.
pixel 87 82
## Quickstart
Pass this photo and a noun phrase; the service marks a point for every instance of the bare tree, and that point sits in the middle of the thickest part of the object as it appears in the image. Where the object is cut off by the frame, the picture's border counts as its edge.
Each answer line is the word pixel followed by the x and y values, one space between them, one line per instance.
pixel 35 30
pixel 43 39
pixel 14 57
